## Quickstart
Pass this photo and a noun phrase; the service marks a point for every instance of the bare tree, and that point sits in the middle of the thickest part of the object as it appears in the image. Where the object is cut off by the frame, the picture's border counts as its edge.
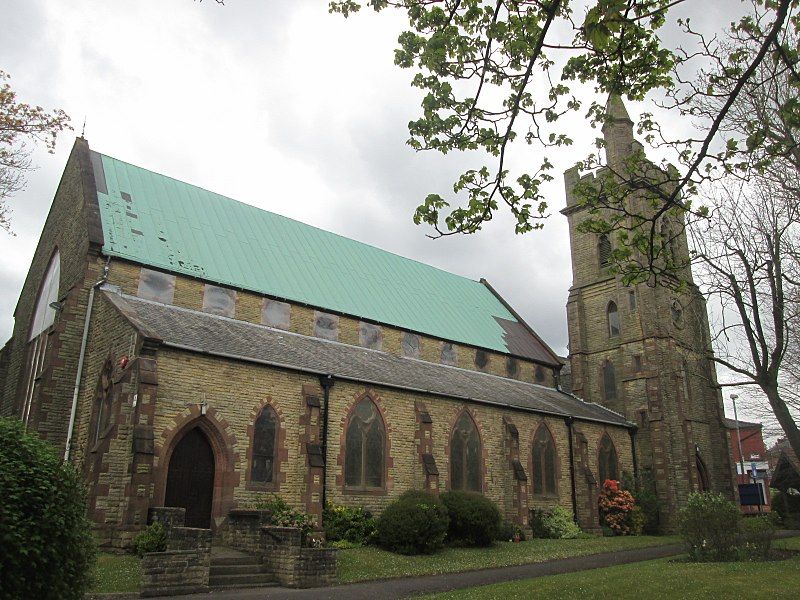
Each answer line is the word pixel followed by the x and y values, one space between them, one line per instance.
pixel 747 260
pixel 21 124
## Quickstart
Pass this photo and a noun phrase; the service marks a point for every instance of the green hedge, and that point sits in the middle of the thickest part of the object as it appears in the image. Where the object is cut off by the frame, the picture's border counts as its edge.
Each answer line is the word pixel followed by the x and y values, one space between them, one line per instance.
pixel 416 523
pixel 554 523
pixel 353 525
pixel 46 545
pixel 474 519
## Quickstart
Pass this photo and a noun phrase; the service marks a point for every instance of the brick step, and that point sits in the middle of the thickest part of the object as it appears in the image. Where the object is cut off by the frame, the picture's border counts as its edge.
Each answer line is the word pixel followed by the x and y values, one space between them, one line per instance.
pixel 237 569
pixel 261 579
pixel 219 561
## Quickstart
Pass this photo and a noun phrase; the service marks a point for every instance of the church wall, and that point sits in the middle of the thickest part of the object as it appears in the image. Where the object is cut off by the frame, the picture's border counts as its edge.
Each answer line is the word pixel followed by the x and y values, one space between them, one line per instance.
pixel 67 229
pixel 234 393
pixel 189 294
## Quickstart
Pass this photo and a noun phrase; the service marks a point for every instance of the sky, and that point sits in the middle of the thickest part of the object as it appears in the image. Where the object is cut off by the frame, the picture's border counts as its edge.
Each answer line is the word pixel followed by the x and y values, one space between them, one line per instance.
pixel 280 105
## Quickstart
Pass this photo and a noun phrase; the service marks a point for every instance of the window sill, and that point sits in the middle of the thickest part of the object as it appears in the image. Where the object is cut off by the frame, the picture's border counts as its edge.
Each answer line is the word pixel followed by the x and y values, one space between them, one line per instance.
pixel 260 486
pixel 349 491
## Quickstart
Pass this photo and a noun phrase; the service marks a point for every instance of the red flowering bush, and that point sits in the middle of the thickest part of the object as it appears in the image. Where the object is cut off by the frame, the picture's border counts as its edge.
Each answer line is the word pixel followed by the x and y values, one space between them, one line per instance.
pixel 616 506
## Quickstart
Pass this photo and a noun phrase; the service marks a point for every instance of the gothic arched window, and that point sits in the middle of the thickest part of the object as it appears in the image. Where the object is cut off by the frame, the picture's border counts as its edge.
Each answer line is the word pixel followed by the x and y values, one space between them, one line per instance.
pixel 604 251
pixel 44 315
pixel 465 455
pixel 544 462
pixel 612 315
pixel 105 400
pixel 702 473
pixel 265 433
pixel 364 447
pixel 609 381
pixel 607 463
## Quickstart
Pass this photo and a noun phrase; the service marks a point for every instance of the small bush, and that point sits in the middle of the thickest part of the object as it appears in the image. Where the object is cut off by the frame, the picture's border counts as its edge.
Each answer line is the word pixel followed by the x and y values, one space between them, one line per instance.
pixel 709 524
pixel 284 515
pixel 151 539
pixel 616 506
pixel 755 537
pixel 46 545
pixel 554 524
pixel 351 524
pixel 637 520
pixel 644 493
pixel 787 507
pixel 415 523
pixel 474 519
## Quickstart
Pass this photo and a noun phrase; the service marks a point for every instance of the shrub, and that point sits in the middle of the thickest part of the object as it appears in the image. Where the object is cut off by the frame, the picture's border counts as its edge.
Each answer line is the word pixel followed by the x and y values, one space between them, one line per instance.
pixel 47 550
pixel 474 519
pixel 787 506
pixel 644 493
pixel 151 539
pixel 709 524
pixel 554 523
pixel 351 524
pixel 616 506
pixel 284 515
pixel 755 537
pixel 637 520
pixel 415 523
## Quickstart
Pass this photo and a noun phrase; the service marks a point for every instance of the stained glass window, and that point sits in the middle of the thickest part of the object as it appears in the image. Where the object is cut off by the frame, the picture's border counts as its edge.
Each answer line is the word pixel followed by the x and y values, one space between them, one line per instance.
pixel 544 462
pixel 264 434
pixel 411 344
pixel 156 286
pixel 465 455
pixel 364 447
pixel 219 301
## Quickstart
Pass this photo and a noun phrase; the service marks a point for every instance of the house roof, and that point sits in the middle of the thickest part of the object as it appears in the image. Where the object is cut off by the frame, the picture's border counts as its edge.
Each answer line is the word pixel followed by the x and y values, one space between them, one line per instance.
pixel 167 224
pixel 731 424
pixel 196 331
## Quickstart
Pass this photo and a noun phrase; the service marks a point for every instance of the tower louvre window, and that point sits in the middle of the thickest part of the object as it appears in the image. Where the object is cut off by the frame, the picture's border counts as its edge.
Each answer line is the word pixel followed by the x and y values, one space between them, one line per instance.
pixel 613 319
pixel 604 251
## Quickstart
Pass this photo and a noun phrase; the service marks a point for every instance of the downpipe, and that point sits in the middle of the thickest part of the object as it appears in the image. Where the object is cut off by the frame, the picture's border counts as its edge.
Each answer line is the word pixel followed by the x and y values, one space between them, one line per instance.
pixel 81 357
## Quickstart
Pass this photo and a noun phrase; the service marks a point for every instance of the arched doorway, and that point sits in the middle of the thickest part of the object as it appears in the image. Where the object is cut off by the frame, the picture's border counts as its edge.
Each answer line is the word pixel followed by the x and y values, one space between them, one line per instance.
pixel 190 478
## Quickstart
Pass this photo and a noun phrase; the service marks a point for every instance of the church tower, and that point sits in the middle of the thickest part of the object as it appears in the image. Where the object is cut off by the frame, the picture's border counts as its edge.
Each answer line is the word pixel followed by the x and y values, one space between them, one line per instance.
pixel 642 350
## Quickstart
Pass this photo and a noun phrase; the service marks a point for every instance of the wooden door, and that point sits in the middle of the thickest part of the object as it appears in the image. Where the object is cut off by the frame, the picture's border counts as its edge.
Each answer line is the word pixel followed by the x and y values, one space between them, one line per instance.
pixel 190 479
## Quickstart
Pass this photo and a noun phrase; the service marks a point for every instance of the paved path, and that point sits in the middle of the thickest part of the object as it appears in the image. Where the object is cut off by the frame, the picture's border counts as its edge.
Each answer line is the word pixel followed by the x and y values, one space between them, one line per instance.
pixel 391 589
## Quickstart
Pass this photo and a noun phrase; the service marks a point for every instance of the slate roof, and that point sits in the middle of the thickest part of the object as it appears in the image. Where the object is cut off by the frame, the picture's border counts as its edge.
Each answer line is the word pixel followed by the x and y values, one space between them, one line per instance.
pixel 239 340
pixel 170 225
pixel 731 423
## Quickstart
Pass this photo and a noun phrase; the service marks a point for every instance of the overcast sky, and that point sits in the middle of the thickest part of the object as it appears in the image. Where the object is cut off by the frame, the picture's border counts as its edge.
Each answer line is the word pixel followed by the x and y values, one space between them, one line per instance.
pixel 279 105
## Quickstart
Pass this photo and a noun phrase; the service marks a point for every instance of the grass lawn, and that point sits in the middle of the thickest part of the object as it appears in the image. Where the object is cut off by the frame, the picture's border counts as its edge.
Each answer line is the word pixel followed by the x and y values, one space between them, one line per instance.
pixel 116 573
pixel 359 564
pixel 656 579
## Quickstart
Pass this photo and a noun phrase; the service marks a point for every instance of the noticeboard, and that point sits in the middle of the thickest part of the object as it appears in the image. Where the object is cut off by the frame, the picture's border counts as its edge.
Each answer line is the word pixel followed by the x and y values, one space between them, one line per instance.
pixel 750 494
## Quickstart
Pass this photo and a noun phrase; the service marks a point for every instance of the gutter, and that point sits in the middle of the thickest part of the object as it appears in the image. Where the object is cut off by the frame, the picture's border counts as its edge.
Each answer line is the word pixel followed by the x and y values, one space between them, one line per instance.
pixel 569 421
pixel 632 433
pixel 81 357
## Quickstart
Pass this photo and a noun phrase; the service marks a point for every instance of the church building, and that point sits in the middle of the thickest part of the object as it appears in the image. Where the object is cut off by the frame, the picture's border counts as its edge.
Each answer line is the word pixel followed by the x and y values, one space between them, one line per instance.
pixel 184 349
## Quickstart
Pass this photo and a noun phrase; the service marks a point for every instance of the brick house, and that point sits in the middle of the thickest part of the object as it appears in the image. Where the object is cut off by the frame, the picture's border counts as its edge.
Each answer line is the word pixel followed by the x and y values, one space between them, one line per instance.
pixel 184 349
pixel 754 453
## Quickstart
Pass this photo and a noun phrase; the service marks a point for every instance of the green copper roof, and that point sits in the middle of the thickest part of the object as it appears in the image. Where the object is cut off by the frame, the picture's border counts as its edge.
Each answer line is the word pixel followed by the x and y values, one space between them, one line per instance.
pixel 167 224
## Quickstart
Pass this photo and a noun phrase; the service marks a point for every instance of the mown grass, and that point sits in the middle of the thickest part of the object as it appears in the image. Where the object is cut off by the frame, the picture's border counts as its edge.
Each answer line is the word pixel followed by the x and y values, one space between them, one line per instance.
pixel 116 573
pixel 664 579
pixel 360 564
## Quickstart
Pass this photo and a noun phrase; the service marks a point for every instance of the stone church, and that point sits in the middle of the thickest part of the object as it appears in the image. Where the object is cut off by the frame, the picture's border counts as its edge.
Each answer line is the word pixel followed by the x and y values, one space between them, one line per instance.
pixel 184 349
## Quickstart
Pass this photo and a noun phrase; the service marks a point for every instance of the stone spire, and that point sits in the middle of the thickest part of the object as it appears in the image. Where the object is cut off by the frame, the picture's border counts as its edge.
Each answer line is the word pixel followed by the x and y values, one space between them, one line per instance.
pixel 618 131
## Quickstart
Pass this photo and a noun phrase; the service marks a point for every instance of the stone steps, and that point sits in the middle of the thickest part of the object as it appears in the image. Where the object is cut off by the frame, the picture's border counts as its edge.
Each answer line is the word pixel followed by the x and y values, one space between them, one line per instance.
pixel 240 571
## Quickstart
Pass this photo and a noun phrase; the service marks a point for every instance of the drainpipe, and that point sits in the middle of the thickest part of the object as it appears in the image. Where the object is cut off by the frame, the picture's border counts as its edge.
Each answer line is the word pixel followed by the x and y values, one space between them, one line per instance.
pixel 81 356
pixel 632 433
pixel 569 421
pixel 326 381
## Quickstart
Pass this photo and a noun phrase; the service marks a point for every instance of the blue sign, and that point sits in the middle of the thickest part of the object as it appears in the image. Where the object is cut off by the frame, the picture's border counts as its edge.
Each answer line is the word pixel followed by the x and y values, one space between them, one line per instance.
pixel 750 494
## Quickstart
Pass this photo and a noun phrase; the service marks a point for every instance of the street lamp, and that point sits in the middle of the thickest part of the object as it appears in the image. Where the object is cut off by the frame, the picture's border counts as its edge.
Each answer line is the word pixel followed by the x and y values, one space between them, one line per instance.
pixel 738 433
